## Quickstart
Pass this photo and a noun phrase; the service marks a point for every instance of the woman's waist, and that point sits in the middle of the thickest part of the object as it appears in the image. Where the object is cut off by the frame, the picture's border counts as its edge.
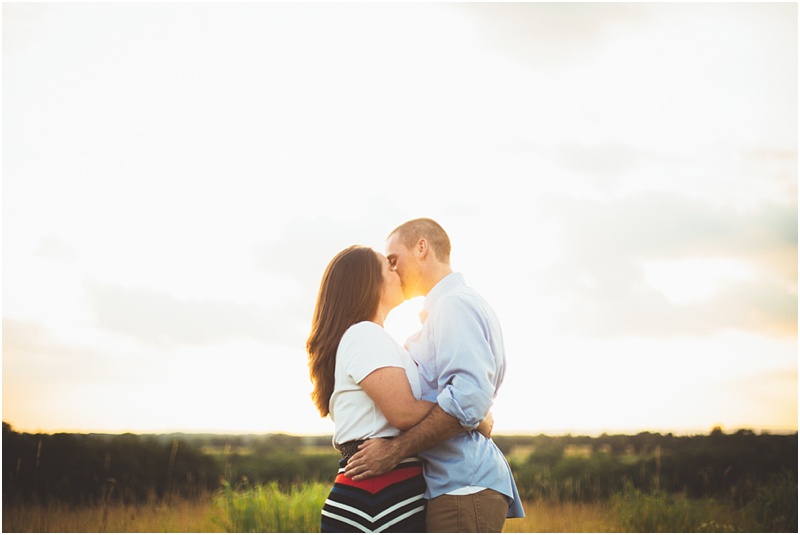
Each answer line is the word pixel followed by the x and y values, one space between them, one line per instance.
pixel 350 448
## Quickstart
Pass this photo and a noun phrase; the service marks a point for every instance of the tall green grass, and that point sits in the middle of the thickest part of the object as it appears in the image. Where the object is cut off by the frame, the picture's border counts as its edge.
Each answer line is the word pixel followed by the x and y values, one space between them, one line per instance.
pixel 268 509
pixel 660 512
pixel 773 510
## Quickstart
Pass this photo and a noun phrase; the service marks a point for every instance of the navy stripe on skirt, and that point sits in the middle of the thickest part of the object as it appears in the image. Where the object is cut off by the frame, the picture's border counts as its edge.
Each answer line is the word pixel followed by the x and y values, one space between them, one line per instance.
pixel 391 503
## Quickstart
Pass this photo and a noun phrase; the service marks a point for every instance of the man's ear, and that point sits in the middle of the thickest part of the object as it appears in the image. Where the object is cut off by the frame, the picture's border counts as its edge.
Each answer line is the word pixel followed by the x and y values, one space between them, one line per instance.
pixel 422 248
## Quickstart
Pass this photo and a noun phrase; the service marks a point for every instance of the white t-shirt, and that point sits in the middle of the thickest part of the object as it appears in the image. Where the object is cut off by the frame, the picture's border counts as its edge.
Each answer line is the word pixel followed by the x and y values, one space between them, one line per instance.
pixel 364 348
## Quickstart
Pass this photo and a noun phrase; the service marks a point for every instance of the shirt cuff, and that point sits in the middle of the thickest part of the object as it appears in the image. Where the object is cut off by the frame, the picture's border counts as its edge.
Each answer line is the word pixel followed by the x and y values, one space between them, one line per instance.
pixel 469 414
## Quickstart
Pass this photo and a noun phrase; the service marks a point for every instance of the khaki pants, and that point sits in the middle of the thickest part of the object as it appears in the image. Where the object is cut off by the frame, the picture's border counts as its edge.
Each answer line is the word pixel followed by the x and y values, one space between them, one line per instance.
pixel 482 512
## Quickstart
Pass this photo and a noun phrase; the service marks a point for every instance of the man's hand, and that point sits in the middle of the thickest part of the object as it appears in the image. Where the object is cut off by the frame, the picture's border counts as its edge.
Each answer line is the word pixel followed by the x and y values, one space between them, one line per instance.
pixel 378 456
pixel 375 457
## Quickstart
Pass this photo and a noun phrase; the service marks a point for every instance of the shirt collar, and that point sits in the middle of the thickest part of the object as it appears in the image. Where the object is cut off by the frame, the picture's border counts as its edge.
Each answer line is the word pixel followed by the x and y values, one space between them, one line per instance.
pixel 442 287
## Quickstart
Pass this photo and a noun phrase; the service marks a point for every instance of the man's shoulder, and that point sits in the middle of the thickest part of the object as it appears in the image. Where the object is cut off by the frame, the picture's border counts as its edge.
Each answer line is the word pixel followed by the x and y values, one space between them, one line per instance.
pixel 464 295
pixel 456 298
pixel 464 303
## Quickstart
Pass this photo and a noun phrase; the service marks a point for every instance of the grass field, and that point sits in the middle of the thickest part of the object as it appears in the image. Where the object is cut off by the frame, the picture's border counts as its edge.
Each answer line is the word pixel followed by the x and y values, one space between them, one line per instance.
pixel 203 517
pixel 268 508
pixel 178 517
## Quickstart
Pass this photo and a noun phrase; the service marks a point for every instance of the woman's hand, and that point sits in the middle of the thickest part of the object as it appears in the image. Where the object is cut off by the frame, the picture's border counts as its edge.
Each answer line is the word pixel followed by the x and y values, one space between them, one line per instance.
pixel 485 427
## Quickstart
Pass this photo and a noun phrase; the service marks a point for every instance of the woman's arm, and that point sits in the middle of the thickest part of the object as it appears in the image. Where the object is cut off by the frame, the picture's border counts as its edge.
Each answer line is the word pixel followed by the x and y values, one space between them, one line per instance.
pixel 486 426
pixel 389 388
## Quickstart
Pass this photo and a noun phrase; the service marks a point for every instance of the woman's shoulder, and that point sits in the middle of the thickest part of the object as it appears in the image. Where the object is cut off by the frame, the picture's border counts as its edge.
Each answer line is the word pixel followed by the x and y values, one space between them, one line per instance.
pixel 368 342
pixel 365 330
pixel 365 326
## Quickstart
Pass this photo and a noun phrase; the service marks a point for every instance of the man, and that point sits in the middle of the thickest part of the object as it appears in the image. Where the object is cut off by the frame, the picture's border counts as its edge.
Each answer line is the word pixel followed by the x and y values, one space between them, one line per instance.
pixel 461 360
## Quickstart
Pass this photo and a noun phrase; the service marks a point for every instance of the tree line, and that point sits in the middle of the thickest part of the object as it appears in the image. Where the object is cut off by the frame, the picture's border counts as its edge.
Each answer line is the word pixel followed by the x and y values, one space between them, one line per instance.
pixel 725 466
pixel 97 468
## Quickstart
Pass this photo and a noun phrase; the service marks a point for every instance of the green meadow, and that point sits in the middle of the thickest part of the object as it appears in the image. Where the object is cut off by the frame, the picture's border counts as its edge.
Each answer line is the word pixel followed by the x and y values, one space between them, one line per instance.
pixel 739 482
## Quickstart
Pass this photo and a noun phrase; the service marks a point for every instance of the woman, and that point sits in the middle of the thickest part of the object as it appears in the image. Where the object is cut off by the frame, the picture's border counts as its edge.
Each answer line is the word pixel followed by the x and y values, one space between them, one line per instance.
pixel 368 384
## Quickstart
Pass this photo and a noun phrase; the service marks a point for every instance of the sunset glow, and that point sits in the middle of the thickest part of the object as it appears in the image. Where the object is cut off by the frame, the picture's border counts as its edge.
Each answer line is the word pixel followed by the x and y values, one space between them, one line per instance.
pixel 618 180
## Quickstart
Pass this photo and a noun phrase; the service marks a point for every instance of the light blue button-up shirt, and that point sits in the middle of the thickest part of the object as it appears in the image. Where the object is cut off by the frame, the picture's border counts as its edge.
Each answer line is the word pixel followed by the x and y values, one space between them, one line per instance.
pixel 461 360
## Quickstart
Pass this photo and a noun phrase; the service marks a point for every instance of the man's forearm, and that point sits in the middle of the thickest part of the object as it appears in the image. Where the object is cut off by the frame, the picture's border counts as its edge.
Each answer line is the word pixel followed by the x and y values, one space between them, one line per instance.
pixel 436 427
pixel 376 457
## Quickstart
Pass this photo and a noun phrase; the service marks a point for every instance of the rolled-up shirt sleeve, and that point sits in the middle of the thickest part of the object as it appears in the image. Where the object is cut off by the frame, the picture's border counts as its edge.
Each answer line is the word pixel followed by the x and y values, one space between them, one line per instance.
pixel 466 364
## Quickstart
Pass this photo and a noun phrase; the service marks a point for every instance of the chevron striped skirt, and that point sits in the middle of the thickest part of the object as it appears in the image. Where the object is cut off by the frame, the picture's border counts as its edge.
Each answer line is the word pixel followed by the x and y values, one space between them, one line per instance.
pixel 392 502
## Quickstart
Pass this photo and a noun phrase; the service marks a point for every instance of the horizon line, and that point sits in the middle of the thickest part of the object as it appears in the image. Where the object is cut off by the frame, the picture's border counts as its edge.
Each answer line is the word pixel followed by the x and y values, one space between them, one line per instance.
pixel 506 433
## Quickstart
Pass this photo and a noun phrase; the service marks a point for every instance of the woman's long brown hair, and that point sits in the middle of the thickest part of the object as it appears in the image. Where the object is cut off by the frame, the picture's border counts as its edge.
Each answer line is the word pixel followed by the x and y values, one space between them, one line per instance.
pixel 349 293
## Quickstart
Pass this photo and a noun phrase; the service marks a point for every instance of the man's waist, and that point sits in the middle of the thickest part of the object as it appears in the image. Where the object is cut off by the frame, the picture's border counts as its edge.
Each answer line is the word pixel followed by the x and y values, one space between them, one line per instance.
pixel 446 477
pixel 465 450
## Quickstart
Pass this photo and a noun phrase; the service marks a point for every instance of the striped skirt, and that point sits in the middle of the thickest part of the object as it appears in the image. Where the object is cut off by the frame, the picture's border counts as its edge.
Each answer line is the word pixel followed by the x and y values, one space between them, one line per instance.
pixel 392 502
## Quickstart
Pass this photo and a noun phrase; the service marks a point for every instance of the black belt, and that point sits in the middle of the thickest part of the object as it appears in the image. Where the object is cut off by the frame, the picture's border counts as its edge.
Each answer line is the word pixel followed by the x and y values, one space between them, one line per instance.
pixel 349 449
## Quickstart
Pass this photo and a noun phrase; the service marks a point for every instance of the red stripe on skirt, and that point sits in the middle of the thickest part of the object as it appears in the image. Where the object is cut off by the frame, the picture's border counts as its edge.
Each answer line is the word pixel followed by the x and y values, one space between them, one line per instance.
pixel 378 483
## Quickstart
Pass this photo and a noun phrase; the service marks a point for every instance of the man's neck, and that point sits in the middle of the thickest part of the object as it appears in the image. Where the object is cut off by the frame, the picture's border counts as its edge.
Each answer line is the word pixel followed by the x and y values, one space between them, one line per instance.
pixel 437 274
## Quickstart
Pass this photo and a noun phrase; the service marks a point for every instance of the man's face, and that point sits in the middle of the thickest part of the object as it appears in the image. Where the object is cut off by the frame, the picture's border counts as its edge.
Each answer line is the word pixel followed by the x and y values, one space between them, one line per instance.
pixel 405 263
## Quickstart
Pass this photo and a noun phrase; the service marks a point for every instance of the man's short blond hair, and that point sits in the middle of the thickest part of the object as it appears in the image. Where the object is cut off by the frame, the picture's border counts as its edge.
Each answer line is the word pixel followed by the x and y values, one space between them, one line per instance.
pixel 412 231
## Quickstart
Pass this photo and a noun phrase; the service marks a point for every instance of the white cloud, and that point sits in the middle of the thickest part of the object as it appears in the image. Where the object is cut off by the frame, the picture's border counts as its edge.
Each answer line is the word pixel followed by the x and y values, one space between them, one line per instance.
pixel 693 280
pixel 604 282
pixel 184 172
pixel 161 319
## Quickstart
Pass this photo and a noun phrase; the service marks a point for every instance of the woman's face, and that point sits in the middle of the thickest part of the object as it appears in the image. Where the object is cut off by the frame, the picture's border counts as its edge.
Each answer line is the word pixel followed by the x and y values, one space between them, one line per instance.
pixel 392 292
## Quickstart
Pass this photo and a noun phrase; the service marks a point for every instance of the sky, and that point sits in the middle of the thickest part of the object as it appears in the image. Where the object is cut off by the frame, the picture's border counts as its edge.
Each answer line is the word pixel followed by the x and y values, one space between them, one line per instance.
pixel 618 180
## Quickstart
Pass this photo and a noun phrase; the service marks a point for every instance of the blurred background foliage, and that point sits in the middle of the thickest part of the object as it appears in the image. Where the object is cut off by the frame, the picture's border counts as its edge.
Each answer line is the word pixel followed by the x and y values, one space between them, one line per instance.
pixel 96 468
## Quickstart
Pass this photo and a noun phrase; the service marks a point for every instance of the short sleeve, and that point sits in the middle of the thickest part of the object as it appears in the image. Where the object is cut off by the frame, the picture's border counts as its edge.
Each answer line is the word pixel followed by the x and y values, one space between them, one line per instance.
pixel 366 347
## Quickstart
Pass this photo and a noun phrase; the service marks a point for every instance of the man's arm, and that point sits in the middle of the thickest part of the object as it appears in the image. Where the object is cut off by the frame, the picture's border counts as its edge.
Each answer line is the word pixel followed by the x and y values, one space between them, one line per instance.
pixel 467 375
pixel 376 457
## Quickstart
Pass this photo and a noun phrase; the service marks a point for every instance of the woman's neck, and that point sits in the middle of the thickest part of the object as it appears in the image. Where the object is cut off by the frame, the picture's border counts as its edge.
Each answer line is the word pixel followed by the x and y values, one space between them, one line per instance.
pixel 380 315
